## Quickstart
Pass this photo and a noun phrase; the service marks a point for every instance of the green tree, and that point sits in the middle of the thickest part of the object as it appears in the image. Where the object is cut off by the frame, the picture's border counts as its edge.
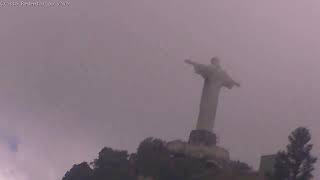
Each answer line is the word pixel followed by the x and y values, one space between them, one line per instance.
pixel 80 171
pixel 112 165
pixel 281 169
pixel 190 168
pixel 239 166
pixel 296 163
pixel 153 159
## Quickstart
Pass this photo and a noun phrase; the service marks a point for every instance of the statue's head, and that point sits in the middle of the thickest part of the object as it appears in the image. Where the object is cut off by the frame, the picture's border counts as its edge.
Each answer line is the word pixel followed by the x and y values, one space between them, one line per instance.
pixel 215 61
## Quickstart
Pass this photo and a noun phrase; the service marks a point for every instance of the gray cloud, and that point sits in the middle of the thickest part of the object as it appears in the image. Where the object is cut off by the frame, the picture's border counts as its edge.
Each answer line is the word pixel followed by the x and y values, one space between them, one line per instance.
pixel 112 73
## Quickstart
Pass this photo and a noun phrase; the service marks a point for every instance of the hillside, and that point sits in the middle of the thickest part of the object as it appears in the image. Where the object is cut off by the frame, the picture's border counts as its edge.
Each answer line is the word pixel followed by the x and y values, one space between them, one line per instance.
pixel 154 161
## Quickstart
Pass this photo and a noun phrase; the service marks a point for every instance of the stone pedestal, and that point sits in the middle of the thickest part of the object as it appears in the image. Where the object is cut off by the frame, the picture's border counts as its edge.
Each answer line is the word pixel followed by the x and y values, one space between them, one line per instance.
pixel 202 137
pixel 201 144
pixel 198 151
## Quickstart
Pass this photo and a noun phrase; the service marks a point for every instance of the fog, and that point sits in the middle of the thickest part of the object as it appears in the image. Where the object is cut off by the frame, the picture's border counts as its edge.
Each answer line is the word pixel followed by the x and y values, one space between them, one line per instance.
pixel 110 73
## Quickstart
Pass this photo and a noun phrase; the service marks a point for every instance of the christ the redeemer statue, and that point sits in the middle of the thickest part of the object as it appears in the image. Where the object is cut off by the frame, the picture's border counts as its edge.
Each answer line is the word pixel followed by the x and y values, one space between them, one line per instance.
pixel 214 79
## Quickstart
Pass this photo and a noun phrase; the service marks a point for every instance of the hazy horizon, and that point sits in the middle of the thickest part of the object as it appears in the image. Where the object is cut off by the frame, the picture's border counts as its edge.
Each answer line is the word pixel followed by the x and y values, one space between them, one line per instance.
pixel 94 74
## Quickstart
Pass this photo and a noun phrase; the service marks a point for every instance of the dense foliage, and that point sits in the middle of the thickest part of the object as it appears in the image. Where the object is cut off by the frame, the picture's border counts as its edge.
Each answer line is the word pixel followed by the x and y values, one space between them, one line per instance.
pixel 296 163
pixel 152 159
pixel 80 171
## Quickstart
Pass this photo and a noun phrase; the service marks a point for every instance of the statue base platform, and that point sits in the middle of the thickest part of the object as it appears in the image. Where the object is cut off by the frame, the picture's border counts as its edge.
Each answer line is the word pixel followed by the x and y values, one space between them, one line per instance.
pixel 202 137
pixel 198 151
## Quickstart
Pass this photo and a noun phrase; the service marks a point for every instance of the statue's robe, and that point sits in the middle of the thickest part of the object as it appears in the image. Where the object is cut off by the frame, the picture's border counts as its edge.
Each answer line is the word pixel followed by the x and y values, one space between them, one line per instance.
pixel 214 79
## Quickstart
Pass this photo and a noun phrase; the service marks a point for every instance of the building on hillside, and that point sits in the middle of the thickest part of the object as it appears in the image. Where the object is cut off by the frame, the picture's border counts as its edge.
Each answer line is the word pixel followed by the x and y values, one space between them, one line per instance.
pixel 267 164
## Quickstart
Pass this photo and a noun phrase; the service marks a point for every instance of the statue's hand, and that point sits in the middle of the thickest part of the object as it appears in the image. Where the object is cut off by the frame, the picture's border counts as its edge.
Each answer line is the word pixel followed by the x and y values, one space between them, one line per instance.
pixel 231 84
pixel 188 61
pixel 237 84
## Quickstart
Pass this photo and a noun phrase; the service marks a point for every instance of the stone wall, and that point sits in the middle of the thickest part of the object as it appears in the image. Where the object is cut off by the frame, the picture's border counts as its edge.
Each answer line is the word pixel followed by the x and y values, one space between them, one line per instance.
pixel 198 151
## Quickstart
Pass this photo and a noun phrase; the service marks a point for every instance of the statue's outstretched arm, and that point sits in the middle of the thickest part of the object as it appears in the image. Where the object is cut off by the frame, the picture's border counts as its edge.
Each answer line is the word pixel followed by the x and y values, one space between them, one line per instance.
pixel 195 64
pixel 236 83
pixel 228 82
pixel 188 61
pixel 199 68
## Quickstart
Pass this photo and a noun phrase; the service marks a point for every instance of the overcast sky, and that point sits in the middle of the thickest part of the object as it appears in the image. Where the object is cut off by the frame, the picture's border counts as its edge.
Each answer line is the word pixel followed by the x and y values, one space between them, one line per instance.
pixel 110 73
